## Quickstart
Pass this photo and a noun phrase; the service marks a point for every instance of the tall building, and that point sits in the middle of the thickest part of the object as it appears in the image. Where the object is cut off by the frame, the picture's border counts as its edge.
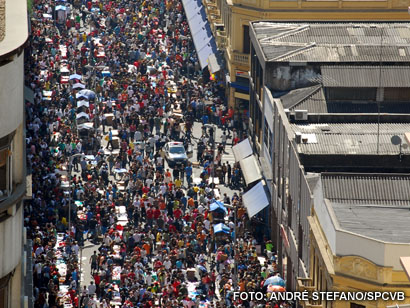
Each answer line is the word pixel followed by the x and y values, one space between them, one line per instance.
pixel 230 20
pixel 316 92
pixel 13 36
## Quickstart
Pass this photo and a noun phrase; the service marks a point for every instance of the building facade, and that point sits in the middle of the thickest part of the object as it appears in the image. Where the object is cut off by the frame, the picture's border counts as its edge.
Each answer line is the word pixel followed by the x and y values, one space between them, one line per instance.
pixel 355 242
pixel 13 36
pixel 230 20
pixel 316 89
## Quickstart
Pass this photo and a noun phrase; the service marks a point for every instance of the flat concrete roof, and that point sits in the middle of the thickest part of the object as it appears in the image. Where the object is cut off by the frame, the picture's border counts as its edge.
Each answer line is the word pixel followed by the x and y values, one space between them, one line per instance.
pixel 373 205
pixel 15 31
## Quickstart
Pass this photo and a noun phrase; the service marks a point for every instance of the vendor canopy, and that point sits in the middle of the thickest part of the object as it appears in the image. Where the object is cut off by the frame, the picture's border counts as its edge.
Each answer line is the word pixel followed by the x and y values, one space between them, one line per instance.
pixel 221 228
pixel 218 206
pixel 86 93
pixel 255 199
pixel 242 150
pixel 250 169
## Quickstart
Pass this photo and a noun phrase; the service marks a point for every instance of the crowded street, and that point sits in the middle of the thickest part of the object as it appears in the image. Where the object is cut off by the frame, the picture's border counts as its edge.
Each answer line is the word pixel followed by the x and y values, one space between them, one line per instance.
pixel 137 197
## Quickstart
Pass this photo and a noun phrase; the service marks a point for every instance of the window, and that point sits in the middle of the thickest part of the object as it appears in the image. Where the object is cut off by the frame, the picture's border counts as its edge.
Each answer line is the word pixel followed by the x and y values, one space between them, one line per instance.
pixel 300 242
pixel 246 40
pixel 4 282
pixel 289 211
pixel 5 167
pixel 266 134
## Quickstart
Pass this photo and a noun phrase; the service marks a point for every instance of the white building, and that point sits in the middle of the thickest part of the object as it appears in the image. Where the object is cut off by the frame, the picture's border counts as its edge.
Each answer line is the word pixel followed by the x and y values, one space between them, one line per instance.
pixel 13 36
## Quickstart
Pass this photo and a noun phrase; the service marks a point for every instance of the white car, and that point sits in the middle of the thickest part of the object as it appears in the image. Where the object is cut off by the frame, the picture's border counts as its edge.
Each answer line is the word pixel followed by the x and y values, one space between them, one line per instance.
pixel 175 154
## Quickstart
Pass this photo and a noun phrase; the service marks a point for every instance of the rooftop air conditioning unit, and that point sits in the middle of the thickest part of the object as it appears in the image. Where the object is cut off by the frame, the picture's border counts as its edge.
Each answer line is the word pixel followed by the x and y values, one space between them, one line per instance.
pixel 301 115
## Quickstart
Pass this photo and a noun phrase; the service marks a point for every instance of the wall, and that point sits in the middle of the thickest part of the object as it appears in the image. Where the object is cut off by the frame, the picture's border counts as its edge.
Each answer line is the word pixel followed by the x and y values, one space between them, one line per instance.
pixel 11 242
pixel 380 253
pixel 291 195
pixel 11 95
pixel 344 243
pixel 324 217
pixel 284 77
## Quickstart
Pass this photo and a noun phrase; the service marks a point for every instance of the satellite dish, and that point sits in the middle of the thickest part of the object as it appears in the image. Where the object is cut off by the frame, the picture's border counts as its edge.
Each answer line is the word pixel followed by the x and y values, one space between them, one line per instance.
pixel 396 140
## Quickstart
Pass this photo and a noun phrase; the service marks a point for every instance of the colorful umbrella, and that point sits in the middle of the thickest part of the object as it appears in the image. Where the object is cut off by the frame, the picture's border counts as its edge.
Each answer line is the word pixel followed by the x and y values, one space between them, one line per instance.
pixel 273 288
pixel 275 280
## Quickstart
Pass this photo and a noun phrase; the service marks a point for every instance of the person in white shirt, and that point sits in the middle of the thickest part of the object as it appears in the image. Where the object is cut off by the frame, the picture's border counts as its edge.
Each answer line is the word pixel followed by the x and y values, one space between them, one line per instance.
pixel 91 288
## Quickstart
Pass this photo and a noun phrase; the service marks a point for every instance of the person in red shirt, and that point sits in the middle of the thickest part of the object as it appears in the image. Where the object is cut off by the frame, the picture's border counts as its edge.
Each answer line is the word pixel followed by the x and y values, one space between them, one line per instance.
pixel 177 213
pixel 150 216
pixel 157 213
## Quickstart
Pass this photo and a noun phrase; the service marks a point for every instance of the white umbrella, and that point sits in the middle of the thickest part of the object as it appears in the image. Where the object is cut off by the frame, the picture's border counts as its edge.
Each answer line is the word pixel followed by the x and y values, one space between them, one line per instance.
pixel 78 85
pixel 47 16
pixel 75 76
pixel 83 103
pixel 61 8
pixel 83 115
pixel 86 93
pixel 87 126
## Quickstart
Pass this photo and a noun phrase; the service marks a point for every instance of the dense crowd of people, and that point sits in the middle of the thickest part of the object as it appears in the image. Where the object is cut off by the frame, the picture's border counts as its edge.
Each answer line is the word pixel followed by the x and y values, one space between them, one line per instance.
pixel 99 170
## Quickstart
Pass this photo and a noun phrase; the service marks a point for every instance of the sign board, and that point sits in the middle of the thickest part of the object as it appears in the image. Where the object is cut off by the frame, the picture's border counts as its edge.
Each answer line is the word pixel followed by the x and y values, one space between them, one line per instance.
pixel 243 74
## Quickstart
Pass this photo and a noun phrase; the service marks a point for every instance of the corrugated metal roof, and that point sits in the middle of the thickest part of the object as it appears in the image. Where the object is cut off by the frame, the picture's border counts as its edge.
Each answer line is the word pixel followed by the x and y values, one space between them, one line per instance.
pixel 314 103
pixel 381 189
pixel 365 76
pixel 351 138
pixel 334 42
pixel 293 97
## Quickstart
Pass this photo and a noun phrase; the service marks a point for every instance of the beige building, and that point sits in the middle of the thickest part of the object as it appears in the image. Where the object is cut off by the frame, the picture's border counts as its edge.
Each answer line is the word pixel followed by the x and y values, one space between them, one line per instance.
pixel 13 36
pixel 339 186
pixel 230 19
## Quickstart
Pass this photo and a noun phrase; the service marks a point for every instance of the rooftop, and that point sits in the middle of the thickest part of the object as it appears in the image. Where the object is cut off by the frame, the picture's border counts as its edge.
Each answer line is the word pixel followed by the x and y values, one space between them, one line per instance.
pixel 372 205
pixel 313 100
pixel 334 42
pixel 350 138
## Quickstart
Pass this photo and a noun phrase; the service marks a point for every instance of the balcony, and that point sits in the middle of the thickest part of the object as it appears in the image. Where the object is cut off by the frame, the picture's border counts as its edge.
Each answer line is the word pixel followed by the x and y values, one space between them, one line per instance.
pixel 306 284
pixel 241 58
pixel 221 39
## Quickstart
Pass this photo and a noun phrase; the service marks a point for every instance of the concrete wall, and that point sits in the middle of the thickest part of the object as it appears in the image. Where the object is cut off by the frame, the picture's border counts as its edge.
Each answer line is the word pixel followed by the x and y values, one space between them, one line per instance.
pixel 381 253
pixel 11 242
pixel 291 195
pixel 324 217
pixel 284 77
pixel 11 95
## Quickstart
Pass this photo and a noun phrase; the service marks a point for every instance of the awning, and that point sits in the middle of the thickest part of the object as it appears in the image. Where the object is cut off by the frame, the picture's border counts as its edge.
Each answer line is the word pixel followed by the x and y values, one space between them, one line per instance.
pixel 201 33
pixel 255 199
pixel 240 86
pixel 250 169
pixel 213 64
pixel 242 150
